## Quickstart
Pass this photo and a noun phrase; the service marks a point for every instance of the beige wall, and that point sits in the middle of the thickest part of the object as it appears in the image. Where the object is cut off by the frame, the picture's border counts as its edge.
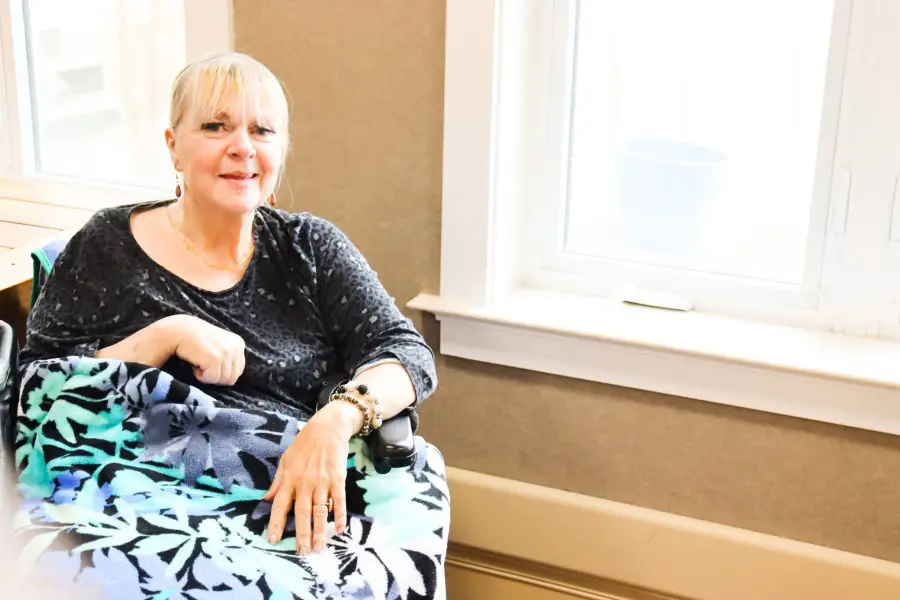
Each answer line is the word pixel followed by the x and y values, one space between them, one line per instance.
pixel 366 81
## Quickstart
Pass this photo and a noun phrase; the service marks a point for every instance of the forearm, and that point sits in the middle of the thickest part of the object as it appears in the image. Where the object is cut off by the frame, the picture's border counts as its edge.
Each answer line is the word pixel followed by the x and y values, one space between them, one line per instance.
pixel 153 345
pixel 389 382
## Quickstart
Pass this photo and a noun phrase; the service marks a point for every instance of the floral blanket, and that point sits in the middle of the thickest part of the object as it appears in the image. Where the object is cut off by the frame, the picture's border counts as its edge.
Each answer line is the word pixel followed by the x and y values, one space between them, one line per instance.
pixel 135 485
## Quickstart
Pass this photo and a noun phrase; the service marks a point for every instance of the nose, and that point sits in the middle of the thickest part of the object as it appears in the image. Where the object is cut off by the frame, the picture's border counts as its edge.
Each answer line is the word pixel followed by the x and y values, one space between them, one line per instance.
pixel 241 146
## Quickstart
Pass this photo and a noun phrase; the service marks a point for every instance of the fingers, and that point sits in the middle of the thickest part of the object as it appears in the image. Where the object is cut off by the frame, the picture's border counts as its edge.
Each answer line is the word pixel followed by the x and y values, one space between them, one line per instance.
pixel 310 519
pixel 239 363
pixel 320 518
pixel 278 517
pixel 276 485
pixel 302 518
pixel 221 359
pixel 225 369
pixel 339 498
pixel 236 358
pixel 208 374
pixel 216 353
pixel 232 363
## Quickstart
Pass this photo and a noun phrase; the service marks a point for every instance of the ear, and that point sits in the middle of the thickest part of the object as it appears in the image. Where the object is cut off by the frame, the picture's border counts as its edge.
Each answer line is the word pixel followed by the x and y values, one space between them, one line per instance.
pixel 170 143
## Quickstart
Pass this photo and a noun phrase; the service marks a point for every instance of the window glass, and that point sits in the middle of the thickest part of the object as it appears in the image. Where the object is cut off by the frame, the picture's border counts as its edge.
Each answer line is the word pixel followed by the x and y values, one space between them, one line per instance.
pixel 695 133
pixel 100 74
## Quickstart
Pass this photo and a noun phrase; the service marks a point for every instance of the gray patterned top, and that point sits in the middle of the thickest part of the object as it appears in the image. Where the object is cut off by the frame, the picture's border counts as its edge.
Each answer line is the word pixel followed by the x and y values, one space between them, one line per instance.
pixel 309 306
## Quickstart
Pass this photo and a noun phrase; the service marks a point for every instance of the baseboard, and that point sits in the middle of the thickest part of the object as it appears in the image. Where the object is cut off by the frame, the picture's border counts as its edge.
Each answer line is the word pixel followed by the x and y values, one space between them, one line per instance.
pixel 473 574
pixel 564 545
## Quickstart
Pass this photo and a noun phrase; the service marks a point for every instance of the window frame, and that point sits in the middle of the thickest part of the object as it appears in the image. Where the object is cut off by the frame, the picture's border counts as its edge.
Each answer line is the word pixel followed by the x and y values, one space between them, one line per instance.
pixel 489 310
pixel 551 266
pixel 208 28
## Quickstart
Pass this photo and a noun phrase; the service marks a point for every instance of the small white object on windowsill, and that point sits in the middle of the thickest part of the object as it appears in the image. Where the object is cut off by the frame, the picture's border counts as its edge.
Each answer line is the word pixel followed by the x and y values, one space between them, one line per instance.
pixel 631 294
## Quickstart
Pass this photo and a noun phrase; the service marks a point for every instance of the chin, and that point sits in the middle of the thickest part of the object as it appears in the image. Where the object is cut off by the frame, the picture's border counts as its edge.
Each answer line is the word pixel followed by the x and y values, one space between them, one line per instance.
pixel 234 199
pixel 237 203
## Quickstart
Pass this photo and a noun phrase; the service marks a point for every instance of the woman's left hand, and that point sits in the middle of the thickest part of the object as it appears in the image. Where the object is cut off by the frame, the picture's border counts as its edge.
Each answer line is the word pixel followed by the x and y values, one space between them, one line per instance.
pixel 312 470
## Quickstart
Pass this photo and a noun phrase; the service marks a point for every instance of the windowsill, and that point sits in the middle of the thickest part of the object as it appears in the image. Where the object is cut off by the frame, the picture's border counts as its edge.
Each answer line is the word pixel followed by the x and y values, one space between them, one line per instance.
pixel 802 373
pixel 34 212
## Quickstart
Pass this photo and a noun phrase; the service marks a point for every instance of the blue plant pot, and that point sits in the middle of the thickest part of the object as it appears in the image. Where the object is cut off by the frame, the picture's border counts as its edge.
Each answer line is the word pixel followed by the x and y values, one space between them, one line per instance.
pixel 664 187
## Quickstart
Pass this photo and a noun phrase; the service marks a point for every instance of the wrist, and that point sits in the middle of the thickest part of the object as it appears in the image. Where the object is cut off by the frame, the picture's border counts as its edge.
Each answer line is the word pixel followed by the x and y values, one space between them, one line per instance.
pixel 167 333
pixel 341 416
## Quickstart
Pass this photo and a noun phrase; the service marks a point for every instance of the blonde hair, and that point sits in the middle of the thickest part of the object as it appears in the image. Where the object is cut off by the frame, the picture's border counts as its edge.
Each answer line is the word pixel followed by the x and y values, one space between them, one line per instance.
pixel 212 84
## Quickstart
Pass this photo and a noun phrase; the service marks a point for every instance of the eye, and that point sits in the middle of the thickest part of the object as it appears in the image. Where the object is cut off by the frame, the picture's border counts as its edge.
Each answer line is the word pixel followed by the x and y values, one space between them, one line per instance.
pixel 261 130
pixel 214 127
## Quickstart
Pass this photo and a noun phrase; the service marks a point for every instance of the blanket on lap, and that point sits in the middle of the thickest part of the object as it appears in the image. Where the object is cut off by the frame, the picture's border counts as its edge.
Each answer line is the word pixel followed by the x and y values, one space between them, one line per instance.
pixel 136 485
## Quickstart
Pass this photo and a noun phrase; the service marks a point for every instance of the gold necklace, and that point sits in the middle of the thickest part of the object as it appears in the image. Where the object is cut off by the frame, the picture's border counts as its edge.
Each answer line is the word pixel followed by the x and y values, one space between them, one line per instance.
pixel 188 245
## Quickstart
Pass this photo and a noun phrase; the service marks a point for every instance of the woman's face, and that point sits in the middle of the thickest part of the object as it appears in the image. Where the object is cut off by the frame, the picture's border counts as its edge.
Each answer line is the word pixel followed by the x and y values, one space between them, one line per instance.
pixel 230 161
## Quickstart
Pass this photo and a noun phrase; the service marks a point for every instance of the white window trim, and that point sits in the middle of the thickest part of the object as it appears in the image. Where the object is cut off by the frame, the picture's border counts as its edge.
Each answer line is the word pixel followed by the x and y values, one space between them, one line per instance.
pixel 487 314
pixel 550 266
pixel 209 27
pixel 19 141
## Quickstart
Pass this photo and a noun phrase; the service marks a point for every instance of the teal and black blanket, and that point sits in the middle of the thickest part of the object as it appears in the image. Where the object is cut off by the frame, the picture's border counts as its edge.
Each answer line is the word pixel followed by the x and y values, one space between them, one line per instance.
pixel 135 485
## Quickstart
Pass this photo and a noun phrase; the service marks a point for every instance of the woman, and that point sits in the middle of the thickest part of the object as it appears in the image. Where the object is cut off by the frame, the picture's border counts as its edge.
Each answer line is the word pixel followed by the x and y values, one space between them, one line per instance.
pixel 250 304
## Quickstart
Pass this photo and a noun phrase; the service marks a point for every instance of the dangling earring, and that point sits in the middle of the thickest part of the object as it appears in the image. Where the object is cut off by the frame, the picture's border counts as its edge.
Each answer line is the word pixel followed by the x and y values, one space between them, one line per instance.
pixel 177 187
pixel 272 199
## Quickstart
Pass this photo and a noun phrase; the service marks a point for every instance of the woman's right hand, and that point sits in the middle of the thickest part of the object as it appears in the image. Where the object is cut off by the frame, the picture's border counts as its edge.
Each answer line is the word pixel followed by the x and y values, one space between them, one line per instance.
pixel 216 354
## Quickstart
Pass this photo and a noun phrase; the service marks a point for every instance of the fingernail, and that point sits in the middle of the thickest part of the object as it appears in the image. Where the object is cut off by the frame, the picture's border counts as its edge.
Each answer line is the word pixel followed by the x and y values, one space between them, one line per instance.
pixel 303 550
pixel 273 539
pixel 317 546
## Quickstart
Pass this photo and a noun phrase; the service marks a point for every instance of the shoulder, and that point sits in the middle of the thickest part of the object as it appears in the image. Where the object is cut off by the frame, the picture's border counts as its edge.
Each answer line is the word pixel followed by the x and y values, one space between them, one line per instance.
pixel 93 257
pixel 112 222
pixel 102 233
pixel 317 242
pixel 309 232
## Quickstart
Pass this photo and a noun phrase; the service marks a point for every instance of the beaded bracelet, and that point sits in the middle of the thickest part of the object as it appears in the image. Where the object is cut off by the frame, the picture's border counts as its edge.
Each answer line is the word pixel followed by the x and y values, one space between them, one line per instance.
pixel 366 429
pixel 365 401
pixel 363 390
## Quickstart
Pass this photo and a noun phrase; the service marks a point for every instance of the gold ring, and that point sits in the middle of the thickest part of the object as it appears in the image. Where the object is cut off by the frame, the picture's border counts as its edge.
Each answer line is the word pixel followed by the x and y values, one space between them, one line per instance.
pixel 329 503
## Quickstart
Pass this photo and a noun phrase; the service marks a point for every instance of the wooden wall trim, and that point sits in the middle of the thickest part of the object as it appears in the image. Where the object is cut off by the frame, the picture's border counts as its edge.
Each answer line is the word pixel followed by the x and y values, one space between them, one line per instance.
pixel 644 549
pixel 472 573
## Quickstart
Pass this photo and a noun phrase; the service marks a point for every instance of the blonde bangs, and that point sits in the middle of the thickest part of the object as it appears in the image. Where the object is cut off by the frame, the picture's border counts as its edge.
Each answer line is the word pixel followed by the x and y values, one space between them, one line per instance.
pixel 229 84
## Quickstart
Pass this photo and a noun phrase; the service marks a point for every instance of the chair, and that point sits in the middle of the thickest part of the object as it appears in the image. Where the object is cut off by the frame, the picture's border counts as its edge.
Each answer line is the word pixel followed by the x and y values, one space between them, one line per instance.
pixel 9 354
pixel 392 445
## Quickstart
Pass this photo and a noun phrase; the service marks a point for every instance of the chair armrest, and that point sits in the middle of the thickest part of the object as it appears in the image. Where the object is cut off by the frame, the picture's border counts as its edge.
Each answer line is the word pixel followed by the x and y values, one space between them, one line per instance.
pixel 391 445
pixel 9 365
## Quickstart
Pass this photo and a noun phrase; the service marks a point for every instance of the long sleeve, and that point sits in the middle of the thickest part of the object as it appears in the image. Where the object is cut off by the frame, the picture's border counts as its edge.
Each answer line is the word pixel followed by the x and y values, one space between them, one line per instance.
pixel 362 317
pixel 70 310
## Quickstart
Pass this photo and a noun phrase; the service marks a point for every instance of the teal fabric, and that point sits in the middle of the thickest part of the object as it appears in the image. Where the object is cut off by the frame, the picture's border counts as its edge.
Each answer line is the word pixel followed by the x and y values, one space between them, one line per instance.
pixel 135 485
pixel 42 263
pixel 41 268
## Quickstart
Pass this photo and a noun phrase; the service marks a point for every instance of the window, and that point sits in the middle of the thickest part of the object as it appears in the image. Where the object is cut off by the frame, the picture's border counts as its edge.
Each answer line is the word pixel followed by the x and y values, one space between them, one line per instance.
pixel 735 161
pixel 693 158
pixel 687 136
pixel 87 84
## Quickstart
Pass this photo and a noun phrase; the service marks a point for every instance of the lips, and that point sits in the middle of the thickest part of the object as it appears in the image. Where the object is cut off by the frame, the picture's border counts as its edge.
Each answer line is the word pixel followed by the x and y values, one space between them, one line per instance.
pixel 238 176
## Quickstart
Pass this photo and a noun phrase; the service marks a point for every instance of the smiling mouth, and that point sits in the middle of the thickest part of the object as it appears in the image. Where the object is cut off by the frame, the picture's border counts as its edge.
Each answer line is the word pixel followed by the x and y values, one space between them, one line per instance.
pixel 239 176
